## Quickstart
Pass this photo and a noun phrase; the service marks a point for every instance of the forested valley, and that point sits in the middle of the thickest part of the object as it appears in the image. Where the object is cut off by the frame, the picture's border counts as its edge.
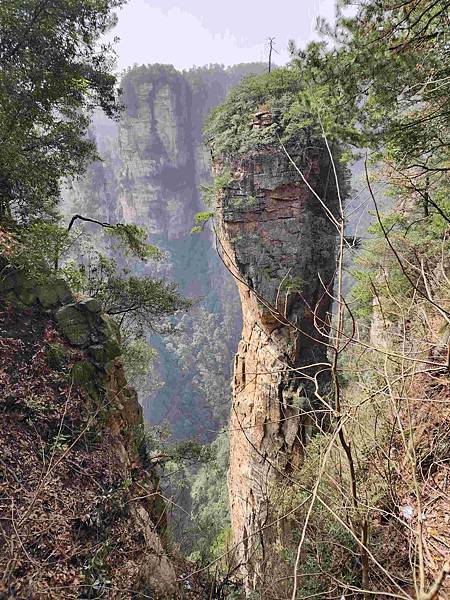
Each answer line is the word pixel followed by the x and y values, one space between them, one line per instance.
pixel 225 312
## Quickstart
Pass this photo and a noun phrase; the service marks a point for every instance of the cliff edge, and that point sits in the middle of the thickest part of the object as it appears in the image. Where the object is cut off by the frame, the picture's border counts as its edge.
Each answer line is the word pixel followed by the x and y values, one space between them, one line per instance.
pixel 81 514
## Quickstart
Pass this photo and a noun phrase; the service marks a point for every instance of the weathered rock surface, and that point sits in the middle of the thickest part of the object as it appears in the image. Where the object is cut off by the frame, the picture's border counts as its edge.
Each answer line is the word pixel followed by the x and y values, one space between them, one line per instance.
pixel 154 163
pixel 280 245
pixel 158 171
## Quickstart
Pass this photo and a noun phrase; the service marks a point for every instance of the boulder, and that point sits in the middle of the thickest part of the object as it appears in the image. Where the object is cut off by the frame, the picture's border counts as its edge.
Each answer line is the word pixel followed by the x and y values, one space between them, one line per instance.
pixel 54 293
pixel 74 325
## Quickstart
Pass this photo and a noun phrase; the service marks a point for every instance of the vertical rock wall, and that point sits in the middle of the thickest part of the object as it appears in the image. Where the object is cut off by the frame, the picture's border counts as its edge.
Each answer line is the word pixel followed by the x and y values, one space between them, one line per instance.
pixel 158 177
pixel 154 161
pixel 279 244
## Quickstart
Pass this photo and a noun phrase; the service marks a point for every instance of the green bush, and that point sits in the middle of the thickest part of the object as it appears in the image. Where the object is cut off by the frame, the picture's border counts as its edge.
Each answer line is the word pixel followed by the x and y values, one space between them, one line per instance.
pixel 228 129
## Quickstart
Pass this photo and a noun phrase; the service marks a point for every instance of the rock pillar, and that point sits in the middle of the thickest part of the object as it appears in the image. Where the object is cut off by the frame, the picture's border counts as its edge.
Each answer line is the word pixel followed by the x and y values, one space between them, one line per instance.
pixel 280 245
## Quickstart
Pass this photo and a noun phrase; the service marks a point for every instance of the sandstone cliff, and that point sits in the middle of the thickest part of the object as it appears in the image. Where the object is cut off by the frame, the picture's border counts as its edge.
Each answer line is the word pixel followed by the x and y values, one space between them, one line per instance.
pixel 154 161
pixel 280 245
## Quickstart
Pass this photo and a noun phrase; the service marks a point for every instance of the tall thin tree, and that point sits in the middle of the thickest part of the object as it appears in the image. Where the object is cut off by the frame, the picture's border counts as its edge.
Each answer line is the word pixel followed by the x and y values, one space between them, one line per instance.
pixel 271 44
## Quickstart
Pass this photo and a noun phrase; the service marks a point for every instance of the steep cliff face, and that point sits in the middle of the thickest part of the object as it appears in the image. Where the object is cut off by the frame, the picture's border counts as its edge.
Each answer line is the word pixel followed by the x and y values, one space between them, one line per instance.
pixel 280 245
pixel 154 161
pixel 157 181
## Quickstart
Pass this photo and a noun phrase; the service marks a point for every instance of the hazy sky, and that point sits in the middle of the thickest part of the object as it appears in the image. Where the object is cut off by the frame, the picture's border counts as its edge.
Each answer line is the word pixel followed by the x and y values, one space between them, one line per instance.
pixel 198 32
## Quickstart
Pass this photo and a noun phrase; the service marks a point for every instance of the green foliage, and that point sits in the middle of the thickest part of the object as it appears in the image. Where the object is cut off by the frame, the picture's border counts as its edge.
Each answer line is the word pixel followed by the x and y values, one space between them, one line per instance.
pixel 228 129
pixel 41 246
pixel 138 359
pixel 140 75
pixel 210 194
pixel 376 82
pixel 418 241
pixel 222 179
pixel 96 580
pixel 133 240
pixel 53 74
pixel 363 292
pixel 292 285
pixel 201 219
pixel 156 447
pixel 72 272
pixel 138 303
pixel 202 346
pixel 379 84
pixel 210 513
pixel 214 75
pixel 220 182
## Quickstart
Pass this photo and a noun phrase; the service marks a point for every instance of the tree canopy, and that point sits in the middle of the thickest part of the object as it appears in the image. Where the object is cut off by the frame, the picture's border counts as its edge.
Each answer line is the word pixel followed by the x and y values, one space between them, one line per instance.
pixel 380 80
pixel 54 71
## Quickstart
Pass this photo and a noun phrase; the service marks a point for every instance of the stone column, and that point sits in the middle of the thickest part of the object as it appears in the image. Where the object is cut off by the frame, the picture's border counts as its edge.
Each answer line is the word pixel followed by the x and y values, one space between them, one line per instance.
pixel 280 245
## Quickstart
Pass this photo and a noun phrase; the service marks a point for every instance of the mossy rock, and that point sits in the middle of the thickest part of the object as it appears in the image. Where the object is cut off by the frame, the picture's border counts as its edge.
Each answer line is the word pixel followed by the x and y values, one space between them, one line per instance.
pixel 83 373
pixel 27 296
pixel 24 289
pixel 20 287
pixel 109 328
pixel 47 295
pixel 91 305
pixel 98 354
pixel 8 281
pixel 74 325
pixel 112 349
pixel 103 354
pixel 54 293
pixel 56 355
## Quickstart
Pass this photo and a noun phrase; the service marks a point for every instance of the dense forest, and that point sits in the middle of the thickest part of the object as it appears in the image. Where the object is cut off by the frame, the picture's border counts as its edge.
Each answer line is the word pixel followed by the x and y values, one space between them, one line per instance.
pixel 225 313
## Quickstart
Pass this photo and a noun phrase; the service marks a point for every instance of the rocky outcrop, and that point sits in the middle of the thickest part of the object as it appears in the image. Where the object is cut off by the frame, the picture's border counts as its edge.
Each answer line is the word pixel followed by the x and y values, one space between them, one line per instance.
pixel 73 467
pixel 154 161
pixel 280 246
pixel 157 180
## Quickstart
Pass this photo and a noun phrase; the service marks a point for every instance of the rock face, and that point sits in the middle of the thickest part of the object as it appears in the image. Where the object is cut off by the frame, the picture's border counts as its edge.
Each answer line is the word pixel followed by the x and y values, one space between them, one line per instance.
pixel 154 161
pixel 280 245
pixel 154 138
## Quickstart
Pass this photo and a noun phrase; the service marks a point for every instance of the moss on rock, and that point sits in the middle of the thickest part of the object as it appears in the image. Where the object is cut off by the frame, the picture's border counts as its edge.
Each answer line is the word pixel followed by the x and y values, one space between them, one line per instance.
pixel 74 325
pixel 83 373
pixel 54 293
